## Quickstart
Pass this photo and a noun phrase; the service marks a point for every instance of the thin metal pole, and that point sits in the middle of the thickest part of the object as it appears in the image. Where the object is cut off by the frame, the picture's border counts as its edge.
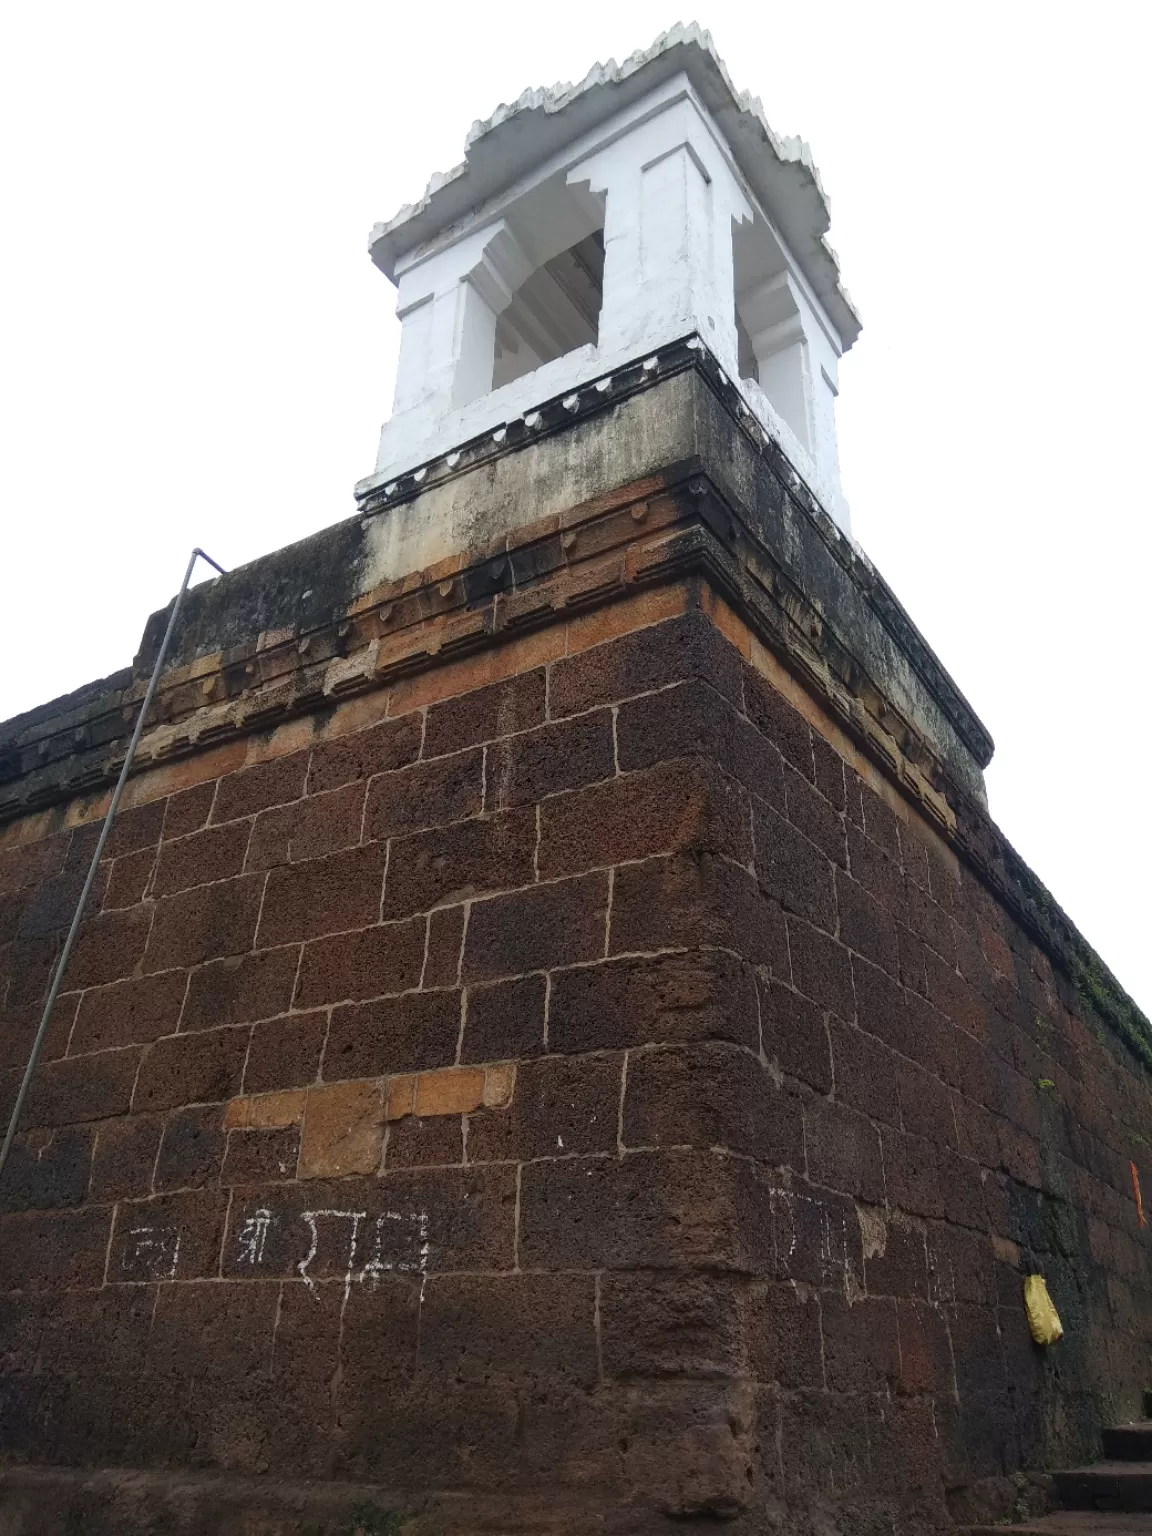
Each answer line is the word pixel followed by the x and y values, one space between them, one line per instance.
pixel 58 974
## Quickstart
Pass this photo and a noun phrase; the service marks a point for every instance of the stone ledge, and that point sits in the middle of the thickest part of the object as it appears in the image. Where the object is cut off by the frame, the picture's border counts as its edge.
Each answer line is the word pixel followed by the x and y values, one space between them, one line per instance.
pixel 128 1501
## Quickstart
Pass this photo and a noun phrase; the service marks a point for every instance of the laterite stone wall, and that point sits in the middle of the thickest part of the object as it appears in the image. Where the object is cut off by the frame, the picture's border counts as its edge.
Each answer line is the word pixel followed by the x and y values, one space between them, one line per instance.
pixel 595 1087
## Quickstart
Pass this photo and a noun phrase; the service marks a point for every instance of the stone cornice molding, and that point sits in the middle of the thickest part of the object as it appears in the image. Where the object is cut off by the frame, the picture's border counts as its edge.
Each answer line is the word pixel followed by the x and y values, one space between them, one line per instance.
pixel 523 576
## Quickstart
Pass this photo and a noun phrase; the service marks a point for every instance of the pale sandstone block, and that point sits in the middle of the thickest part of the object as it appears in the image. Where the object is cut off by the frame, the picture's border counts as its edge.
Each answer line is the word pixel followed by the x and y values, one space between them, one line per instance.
pixel 343 1130
pixel 455 1091
pixel 401 1096
pixel 273 1111
pixel 499 1085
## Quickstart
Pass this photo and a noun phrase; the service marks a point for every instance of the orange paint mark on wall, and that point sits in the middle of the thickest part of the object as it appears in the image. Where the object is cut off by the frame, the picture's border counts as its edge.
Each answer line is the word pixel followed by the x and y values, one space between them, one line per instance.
pixel 1136 1193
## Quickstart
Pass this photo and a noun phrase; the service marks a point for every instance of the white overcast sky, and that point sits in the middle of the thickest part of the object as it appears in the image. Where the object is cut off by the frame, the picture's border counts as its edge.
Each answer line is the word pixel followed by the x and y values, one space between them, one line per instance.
pixel 195 349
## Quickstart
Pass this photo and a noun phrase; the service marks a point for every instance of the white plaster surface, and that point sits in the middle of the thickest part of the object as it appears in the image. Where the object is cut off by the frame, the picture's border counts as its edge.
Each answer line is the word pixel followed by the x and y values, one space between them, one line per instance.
pixel 707 221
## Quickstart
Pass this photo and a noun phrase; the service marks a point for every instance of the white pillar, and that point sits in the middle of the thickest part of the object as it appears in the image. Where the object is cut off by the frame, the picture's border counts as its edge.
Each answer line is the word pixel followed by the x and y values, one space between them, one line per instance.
pixel 448 305
pixel 670 200
pixel 796 365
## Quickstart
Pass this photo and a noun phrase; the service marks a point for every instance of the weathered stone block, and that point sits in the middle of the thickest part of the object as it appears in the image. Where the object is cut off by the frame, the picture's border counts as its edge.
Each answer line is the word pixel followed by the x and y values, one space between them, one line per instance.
pixel 167 1237
pixel 350 759
pixel 204 923
pixel 326 895
pixel 546 925
pixel 562 756
pixel 647 1210
pixel 673 652
pixel 240 989
pixel 307 829
pixel 425 795
pixel 692 719
pixel 656 1324
pixel 285 1052
pixel 129 1012
pixel 267 1111
pixel 382 959
pixel 793 870
pixel 343 1130
pixel 794 1035
pixel 682 806
pixel 861 1343
pixel 820 822
pixel 484 714
pixel 47 1171
pixel 433 1142
pixel 529 1329
pixel 454 1091
pixel 191 1149
pixel 821 968
pixel 109 947
pixel 414 1032
pixel 703 995
pixel 505 1020
pixel 191 1069
pixel 453 863
pixel 711 1095
pixel 124 1157
pixel 562 1105
pixel 54 1250
pixel 188 810
pixel 81 1088
pixel 214 854
pixel 785 1345
pixel 128 879
pixel 260 1156
pixel 684 901
pixel 843 1151
pixel 253 789
pixel 775 719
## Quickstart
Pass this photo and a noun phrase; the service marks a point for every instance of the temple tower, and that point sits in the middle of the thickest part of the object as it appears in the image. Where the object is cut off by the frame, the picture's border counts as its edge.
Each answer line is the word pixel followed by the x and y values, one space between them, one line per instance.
pixel 588 227
pixel 558 1044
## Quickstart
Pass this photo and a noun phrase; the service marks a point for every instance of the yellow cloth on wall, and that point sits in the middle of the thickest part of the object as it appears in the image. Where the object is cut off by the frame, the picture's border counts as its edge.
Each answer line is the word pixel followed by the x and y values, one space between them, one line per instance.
pixel 1043 1319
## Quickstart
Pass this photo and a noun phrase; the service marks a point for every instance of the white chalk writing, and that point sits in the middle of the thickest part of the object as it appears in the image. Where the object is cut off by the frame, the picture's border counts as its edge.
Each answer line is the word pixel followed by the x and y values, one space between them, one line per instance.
pixel 151 1253
pixel 810 1240
pixel 253 1235
pixel 400 1246
pixel 360 1245
pixel 355 1217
